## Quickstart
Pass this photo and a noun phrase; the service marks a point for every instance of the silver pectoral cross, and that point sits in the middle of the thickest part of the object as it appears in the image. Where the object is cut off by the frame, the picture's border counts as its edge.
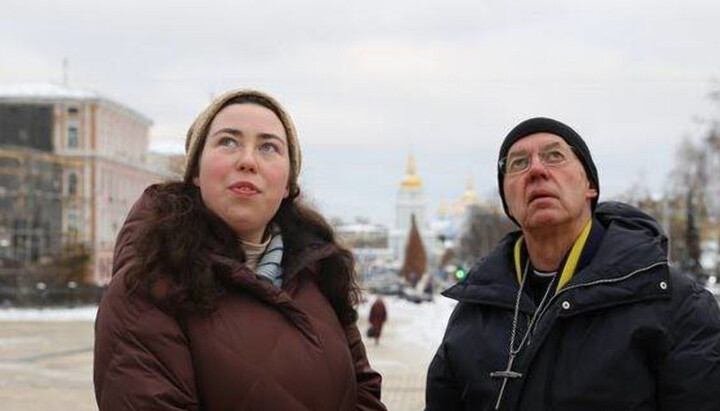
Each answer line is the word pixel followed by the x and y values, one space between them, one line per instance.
pixel 505 375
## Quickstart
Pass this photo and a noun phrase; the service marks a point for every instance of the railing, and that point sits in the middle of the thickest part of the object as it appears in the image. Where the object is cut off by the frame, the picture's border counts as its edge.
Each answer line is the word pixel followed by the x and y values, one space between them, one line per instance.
pixel 27 287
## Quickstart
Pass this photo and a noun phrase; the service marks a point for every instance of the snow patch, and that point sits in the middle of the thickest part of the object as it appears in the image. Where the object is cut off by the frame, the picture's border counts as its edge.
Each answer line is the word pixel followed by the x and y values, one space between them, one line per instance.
pixel 49 314
pixel 421 325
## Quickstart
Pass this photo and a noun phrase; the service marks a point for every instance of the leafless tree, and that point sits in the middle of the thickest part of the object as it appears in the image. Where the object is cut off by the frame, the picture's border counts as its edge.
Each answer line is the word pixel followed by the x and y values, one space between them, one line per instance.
pixel 694 194
pixel 484 229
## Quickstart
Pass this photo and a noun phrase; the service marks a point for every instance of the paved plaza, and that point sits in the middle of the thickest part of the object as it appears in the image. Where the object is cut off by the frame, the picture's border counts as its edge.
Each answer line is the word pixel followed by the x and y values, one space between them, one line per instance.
pixel 47 365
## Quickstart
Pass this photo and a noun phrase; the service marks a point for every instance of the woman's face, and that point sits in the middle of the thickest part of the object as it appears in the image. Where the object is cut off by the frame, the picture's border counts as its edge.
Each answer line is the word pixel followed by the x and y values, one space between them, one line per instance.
pixel 244 168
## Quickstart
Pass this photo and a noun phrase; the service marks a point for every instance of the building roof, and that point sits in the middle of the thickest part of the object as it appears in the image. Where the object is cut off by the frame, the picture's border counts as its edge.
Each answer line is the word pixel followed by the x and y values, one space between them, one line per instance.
pixel 45 91
pixel 52 93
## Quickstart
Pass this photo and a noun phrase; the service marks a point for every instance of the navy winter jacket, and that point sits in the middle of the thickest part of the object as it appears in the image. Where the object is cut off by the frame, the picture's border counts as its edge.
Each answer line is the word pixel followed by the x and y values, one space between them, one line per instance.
pixel 626 333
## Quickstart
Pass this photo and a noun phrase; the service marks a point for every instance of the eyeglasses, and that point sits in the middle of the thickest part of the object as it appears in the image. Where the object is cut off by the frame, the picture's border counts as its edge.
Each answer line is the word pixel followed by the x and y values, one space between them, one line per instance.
pixel 551 156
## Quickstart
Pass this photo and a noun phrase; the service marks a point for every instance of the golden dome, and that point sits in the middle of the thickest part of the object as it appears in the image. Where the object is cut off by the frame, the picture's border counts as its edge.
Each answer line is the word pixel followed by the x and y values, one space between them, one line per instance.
pixel 411 180
pixel 470 196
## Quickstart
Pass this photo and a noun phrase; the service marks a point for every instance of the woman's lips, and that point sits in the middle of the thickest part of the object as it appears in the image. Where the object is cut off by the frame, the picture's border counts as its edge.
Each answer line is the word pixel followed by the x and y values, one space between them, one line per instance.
pixel 244 189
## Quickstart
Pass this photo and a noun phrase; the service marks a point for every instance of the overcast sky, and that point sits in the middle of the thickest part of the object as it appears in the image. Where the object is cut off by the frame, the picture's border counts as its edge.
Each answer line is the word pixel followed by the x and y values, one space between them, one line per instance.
pixel 368 82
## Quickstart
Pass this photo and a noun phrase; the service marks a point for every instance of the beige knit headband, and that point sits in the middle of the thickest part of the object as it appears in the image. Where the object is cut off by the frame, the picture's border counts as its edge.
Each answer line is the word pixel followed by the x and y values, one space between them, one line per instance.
pixel 198 132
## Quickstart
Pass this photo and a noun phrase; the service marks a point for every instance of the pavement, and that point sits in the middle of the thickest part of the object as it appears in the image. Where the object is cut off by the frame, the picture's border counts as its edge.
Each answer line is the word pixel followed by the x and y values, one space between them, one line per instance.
pixel 48 365
pixel 402 365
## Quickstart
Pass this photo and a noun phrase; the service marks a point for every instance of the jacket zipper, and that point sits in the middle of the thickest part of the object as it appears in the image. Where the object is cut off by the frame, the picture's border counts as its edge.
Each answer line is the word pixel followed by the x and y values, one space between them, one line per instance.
pixel 596 282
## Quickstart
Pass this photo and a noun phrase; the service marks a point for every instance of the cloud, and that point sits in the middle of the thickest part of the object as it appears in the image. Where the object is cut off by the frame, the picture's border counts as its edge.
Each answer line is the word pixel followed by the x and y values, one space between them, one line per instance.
pixel 367 82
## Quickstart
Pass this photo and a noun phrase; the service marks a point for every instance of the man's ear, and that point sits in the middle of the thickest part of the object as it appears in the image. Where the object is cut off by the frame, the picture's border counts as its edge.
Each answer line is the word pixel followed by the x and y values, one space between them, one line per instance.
pixel 592 193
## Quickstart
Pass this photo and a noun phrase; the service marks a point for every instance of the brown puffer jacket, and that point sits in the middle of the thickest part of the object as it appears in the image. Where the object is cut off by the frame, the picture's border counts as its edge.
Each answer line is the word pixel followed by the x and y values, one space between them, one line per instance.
pixel 262 349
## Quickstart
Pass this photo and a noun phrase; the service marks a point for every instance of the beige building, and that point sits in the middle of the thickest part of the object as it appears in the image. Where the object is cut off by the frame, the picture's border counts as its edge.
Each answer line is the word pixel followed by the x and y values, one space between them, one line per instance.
pixel 363 235
pixel 103 149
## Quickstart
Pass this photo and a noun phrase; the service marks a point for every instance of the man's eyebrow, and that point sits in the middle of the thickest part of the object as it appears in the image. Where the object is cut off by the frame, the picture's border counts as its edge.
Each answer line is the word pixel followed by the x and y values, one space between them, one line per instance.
pixel 552 145
pixel 521 151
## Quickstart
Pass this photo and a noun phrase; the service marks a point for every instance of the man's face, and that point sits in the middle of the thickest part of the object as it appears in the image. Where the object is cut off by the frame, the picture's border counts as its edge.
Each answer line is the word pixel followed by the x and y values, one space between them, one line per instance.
pixel 549 192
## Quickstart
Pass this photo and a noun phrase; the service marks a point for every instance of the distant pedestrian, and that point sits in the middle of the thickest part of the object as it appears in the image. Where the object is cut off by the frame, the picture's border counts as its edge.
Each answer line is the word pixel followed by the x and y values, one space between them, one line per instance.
pixel 579 309
pixel 378 316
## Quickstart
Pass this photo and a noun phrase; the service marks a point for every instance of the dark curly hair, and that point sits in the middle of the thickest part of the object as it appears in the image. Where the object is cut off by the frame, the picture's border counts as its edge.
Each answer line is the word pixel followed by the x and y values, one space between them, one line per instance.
pixel 175 244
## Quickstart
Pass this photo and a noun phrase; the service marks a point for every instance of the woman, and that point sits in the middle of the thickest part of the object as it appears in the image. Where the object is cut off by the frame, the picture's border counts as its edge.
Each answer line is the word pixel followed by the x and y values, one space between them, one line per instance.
pixel 228 293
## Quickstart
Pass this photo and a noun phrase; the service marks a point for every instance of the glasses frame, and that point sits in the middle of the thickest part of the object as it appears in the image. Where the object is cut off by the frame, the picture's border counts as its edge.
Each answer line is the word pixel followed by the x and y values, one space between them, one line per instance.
pixel 570 149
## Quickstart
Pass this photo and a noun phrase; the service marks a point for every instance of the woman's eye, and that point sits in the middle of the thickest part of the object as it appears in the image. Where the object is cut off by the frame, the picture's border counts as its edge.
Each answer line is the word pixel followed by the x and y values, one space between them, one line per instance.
pixel 269 148
pixel 228 142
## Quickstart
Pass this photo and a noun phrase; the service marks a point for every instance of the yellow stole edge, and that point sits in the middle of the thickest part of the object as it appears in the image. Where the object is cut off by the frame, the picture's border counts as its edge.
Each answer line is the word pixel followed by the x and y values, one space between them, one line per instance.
pixel 572 260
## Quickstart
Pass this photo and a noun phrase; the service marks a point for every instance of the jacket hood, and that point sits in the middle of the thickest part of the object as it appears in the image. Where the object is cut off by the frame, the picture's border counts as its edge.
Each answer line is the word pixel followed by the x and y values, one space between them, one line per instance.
pixel 624 215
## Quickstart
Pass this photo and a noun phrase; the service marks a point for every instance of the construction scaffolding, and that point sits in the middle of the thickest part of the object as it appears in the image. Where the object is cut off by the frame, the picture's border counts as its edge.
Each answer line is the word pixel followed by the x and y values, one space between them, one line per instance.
pixel 33 198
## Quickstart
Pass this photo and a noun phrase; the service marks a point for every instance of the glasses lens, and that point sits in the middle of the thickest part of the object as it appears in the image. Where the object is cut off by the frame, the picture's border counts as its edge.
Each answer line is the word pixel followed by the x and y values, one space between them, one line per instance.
pixel 519 163
pixel 516 164
pixel 554 156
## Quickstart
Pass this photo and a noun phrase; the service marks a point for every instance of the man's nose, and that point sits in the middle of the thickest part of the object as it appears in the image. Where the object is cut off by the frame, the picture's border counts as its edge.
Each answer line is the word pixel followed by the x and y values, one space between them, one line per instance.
pixel 537 167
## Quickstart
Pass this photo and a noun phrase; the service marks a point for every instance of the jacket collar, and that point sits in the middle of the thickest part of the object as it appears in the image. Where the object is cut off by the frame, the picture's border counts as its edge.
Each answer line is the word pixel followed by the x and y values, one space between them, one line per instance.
pixel 294 261
pixel 630 264
pixel 492 281
pixel 307 258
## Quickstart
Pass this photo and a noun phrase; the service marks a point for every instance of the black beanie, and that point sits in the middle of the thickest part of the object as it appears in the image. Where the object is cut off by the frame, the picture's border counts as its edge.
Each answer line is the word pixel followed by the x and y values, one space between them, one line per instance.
pixel 547 125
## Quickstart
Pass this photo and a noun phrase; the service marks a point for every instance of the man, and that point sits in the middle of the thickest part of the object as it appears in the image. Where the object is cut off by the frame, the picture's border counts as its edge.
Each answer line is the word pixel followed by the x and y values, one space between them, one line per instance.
pixel 579 309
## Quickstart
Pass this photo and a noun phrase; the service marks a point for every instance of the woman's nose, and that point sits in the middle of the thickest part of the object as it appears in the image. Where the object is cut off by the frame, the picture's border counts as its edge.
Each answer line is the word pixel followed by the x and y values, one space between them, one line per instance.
pixel 247 161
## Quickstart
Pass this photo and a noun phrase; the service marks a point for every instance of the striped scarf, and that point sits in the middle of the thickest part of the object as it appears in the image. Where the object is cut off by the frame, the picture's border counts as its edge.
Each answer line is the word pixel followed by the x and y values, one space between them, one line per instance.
pixel 269 268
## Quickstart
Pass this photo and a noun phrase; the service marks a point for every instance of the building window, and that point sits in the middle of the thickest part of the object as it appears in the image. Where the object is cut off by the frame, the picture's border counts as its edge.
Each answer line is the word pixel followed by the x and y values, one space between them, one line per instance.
pixel 72 184
pixel 73 111
pixel 72 221
pixel 72 137
pixel 72 226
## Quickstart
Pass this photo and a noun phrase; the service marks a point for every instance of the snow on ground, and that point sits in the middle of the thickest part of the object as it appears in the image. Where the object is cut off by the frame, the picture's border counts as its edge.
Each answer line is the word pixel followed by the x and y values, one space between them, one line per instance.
pixel 86 313
pixel 421 325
